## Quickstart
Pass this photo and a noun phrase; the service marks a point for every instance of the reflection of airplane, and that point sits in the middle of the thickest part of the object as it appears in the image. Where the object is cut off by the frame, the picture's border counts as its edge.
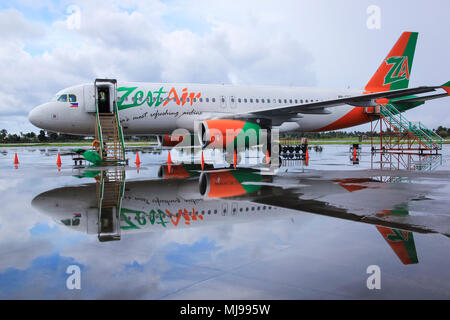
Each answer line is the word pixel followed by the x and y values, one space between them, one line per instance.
pixel 158 108
pixel 171 203
pixel 231 196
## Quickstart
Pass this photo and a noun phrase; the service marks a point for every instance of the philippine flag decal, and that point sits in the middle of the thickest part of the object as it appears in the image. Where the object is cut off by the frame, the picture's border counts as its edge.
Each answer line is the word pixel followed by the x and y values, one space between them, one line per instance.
pixel 74 104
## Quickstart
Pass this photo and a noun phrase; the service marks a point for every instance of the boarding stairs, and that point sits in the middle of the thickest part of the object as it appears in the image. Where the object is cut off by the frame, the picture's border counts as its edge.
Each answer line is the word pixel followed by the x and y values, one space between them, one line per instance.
pixel 110 189
pixel 427 138
pixel 108 130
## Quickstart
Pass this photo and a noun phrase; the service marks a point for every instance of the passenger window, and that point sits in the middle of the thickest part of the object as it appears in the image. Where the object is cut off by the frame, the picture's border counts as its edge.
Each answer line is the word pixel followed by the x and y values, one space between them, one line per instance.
pixel 245 100
pixel 232 99
pixel 296 101
pixel 290 100
pixel 201 99
pixel 285 101
pixel 72 98
pixel 301 100
pixel 262 100
pixel 279 100
pixel 239 100
pixel 251 100
pixel 213 99
pixel 63 98
pixel 256 100
pixel 207 99
pixel 223 99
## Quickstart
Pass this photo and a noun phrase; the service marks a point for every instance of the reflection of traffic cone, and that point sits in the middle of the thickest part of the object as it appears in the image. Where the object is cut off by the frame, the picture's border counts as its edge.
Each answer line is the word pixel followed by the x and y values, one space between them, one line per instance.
pixel 16 159
pixel 169 163
pixel 234 159
pixel 138 161
pixel 58 160
pixel 203 162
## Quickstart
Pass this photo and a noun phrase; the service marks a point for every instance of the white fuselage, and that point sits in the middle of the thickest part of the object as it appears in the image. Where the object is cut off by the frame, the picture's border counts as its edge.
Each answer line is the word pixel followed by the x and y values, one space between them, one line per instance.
pixel 143 109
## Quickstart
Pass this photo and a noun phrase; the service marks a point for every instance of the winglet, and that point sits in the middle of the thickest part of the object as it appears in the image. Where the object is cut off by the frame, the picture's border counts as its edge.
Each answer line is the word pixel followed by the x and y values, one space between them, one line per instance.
pixel 446 87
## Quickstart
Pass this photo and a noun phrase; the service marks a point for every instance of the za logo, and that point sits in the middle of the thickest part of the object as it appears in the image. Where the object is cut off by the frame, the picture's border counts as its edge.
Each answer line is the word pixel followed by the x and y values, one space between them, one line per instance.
pixel 399 70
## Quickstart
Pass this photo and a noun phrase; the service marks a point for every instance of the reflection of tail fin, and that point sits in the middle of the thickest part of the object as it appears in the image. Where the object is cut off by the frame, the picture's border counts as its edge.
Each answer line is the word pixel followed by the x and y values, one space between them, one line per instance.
pixel 402 242
pixel 395 69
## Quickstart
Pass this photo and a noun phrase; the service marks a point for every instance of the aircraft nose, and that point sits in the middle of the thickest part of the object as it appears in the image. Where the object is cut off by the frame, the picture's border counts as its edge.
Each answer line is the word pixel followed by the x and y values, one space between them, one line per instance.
pixel 35 116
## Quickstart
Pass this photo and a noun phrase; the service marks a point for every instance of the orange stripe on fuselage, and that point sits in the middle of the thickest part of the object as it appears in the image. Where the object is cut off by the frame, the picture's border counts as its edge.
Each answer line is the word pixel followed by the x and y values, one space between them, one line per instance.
pixel 353 118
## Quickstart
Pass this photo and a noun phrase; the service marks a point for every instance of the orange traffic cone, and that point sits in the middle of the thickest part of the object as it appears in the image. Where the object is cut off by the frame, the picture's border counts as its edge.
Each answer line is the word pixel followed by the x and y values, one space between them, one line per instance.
pixel 267 157
pixel 307 157
pixel 203 162
pixel 16 159
pixel 138 161
pixel 58 160
pixel 235 159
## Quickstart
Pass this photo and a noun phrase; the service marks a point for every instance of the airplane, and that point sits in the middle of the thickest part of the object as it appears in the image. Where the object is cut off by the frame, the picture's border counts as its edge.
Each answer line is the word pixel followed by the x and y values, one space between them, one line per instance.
pixel 203 109
pixel 188 197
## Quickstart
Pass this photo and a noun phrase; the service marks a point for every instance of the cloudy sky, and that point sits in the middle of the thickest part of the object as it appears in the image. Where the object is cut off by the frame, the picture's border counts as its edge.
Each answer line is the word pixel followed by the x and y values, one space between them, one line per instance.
pixel 49 45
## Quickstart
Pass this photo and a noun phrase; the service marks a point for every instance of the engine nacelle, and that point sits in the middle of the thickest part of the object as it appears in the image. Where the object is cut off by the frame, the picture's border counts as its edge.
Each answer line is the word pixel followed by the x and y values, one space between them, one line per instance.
pixel 220 133
pixel 224 184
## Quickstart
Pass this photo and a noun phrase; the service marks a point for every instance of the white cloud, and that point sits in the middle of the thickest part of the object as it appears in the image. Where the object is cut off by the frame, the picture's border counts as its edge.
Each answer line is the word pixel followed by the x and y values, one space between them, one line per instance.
pixel 252 42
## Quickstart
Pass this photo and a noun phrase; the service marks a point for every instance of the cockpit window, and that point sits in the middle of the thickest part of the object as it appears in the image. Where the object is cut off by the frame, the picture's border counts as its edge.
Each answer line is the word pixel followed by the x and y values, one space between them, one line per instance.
pixel 72 98
pixel 63 98
pixel 66 222
pixel 71 222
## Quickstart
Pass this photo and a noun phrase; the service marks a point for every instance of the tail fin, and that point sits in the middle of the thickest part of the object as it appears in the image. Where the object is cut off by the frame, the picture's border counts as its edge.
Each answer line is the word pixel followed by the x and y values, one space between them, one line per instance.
pixel 395 69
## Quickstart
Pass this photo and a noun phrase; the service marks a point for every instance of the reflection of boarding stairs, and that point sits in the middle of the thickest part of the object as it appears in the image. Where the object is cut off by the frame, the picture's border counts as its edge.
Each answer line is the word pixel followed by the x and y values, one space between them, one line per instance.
pixel 417 133
pixel 108 130
pixel 110 189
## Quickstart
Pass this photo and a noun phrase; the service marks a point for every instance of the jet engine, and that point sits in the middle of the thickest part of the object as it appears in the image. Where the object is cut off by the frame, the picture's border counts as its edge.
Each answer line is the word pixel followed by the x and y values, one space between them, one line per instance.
pixel 220 133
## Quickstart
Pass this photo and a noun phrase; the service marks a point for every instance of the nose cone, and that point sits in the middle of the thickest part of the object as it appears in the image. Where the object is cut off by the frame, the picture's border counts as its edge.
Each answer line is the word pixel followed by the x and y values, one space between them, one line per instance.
pixel 35 116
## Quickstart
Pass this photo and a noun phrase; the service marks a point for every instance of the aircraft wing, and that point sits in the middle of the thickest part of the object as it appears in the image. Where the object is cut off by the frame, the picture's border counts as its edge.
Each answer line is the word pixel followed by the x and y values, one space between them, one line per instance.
pixel 364 100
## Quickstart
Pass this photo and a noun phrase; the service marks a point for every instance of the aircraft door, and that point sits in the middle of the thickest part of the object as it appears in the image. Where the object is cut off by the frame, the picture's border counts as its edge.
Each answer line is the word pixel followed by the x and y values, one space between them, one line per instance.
pixel 89 98
pixel 104 99
pixel 105 94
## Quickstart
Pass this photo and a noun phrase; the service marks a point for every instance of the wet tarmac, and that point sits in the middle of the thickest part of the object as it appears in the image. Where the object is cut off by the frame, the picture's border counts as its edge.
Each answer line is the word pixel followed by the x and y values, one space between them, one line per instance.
pixel 302 231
